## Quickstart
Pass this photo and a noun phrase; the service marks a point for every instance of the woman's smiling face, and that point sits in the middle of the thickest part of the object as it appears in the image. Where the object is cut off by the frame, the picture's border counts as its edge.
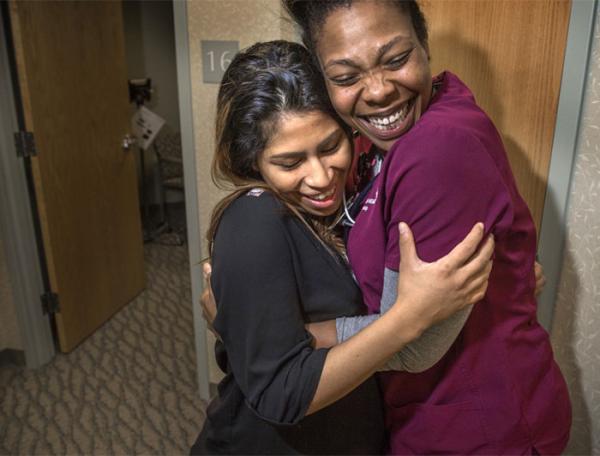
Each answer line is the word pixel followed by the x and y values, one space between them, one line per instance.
pixel 377 72
pixel 307 160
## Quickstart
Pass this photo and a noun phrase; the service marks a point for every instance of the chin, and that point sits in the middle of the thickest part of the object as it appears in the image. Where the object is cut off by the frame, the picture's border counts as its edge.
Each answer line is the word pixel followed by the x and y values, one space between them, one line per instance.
pixel 323 213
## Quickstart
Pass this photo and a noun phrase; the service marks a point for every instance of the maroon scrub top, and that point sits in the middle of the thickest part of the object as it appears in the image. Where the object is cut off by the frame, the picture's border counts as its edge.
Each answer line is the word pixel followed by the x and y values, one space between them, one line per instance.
pixel 498 389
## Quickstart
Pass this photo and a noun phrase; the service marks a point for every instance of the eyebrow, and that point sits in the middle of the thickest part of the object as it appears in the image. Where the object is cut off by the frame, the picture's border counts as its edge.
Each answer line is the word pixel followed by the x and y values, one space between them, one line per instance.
pixel 296 154
pixel 380 53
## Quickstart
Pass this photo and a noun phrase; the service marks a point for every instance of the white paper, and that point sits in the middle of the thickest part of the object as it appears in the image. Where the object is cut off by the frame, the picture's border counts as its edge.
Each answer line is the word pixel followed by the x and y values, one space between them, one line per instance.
pixel 145 125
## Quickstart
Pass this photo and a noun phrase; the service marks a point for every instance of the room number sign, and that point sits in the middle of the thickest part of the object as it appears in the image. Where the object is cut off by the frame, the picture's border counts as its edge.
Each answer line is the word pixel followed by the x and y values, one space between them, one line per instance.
pixel 216 57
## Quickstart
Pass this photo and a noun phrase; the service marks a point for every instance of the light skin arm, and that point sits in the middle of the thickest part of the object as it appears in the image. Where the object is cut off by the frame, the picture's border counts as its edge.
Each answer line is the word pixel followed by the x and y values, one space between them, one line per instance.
pixel 422 301
pixel 325 332
pixel 452 280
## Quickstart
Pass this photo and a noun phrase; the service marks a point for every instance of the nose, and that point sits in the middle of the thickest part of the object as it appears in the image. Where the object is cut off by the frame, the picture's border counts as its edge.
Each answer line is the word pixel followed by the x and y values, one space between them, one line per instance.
pixel 377 89
pixel 317 176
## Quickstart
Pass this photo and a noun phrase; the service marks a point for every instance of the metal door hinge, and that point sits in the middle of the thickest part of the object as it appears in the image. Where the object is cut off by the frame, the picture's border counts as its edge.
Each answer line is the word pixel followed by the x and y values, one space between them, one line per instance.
pixel 25 144
pixel 50 303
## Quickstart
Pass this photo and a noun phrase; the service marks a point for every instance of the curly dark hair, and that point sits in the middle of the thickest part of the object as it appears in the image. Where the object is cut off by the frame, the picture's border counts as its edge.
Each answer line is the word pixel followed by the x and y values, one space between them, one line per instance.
pixel 310 15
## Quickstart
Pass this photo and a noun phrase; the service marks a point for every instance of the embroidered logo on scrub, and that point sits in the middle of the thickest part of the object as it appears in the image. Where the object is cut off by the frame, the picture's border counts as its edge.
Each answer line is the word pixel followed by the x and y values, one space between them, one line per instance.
pixel 370 202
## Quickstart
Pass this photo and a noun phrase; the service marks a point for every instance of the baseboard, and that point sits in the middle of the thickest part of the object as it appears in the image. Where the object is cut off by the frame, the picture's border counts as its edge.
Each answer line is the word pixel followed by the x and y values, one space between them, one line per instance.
pixel 10 356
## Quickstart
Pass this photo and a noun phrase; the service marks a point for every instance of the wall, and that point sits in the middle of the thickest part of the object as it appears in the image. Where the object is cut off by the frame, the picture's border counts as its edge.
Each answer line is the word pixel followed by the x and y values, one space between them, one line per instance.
pixel 150 51
pixel 577 313
pixel 9 330
pixel 235 20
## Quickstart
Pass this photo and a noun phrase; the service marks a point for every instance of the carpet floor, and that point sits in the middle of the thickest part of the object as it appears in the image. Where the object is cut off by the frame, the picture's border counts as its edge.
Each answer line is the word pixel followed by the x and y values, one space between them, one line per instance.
pixel 130 388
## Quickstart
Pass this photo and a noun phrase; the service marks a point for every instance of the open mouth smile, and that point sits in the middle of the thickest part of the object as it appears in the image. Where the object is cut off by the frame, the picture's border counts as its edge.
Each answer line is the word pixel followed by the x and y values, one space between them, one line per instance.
pixel 391 124
pixel 320 197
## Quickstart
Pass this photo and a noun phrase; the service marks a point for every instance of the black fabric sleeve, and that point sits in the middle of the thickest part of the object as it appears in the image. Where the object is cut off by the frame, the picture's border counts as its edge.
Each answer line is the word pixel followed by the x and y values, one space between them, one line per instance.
pixel 259 313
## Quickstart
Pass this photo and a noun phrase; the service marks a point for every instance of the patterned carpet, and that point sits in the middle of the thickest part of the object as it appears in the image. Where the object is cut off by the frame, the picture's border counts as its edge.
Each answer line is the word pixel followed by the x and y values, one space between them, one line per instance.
pixel 128 389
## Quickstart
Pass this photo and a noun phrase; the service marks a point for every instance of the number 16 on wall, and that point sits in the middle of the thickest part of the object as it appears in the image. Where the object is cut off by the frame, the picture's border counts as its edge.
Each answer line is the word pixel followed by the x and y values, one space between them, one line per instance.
pixel 216 57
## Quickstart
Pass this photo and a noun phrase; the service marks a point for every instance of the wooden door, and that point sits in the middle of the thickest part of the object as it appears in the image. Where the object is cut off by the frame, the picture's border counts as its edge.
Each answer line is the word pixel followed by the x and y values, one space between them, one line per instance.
pixel 510 53
pixel 73 83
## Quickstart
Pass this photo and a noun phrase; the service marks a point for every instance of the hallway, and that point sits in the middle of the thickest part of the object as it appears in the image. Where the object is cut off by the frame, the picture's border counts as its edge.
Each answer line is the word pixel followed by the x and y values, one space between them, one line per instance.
pixel 128 389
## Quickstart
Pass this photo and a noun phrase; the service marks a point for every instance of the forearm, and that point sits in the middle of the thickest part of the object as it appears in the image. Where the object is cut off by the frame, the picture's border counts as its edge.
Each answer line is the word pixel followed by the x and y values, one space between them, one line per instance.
pixel 350 363
pixel 346 327
pixel 425 351
pixel 418 355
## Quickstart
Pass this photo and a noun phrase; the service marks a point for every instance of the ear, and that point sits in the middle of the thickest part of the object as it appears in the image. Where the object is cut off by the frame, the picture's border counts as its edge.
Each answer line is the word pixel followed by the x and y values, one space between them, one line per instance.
pixel 256 170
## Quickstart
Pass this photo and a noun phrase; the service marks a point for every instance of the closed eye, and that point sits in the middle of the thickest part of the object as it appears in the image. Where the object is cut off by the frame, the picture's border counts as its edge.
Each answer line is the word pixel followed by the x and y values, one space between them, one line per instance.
pixel 398 61
pixel 288 166
pixel 331 149
pixel 344 80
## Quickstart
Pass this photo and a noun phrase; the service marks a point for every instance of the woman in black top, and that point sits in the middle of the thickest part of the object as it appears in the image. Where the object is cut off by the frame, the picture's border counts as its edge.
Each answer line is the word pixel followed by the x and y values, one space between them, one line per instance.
pixel 277 265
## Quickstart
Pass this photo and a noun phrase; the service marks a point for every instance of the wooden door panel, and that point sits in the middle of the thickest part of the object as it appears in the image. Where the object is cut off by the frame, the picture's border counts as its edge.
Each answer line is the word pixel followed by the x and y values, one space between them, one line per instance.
pixel 73 80
pixel 510 53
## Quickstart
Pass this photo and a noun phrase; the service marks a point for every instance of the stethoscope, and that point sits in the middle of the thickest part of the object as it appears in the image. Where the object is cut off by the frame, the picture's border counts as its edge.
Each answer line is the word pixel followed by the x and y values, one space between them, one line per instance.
pixel 352 206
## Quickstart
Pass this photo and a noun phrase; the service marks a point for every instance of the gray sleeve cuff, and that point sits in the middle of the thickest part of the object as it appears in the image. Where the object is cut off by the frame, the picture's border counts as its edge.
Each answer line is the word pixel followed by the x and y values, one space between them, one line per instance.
pixel 427 350
pixel 346 327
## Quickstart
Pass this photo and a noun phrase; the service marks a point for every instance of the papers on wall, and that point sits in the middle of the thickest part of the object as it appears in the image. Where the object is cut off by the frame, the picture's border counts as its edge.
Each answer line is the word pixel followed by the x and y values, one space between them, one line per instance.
pixel 145 125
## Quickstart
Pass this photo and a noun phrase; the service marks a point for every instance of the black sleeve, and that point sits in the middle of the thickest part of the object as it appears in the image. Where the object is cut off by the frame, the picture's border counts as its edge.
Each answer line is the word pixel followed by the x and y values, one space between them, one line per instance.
pixel 259 313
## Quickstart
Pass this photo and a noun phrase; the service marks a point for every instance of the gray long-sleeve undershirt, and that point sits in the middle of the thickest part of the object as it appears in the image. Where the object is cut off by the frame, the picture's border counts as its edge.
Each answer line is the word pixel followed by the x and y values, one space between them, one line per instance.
pixel 420 354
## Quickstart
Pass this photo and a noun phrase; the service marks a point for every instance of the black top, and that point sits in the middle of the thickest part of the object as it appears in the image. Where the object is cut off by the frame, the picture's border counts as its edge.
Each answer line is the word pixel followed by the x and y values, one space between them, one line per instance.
pixel 271 276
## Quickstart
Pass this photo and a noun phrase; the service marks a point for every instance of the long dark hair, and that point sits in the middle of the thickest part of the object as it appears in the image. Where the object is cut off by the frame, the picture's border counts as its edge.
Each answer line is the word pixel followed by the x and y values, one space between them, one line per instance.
pixel 262 83
pixel 310 15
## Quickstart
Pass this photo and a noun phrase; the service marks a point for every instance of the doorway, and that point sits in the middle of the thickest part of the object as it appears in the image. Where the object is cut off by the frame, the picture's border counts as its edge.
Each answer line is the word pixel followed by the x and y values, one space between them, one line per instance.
pixel 158 197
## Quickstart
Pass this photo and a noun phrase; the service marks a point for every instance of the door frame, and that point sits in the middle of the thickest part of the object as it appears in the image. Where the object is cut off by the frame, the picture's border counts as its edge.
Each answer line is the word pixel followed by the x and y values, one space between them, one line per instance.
pixel 186 120
pixel 17 228
pixel 564 147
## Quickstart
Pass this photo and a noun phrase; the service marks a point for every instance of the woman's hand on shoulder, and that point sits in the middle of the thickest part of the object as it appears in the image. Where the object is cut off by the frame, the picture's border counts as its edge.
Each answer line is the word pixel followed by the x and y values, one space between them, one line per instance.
pixel 439 289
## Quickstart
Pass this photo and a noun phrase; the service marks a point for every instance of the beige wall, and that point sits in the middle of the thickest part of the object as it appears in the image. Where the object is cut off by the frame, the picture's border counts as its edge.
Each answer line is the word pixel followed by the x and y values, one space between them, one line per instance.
pixel 229 20
pixel 150 52
pixel 576 329
pixel 235 20
pixel 9 329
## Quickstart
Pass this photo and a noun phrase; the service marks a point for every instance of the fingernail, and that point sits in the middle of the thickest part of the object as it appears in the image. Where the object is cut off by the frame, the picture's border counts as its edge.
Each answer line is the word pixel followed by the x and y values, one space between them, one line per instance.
pixel 403 228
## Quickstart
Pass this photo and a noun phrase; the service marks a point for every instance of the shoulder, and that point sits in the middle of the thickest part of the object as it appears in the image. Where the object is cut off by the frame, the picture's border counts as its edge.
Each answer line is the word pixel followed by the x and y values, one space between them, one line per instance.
pixel 453 134
pixel 256 204
pixel 455 109
pixel 252 214
pixel 438 151
pixel 445 160
pixel 253 233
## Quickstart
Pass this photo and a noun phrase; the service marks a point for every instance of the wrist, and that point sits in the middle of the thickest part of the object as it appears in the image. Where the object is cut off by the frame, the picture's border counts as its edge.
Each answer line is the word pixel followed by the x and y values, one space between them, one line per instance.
pixel 411 324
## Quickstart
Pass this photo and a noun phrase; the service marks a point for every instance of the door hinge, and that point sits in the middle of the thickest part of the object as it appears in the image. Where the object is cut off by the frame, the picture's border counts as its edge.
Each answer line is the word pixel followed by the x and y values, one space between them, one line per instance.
pixel 50 303
pixel 25 144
